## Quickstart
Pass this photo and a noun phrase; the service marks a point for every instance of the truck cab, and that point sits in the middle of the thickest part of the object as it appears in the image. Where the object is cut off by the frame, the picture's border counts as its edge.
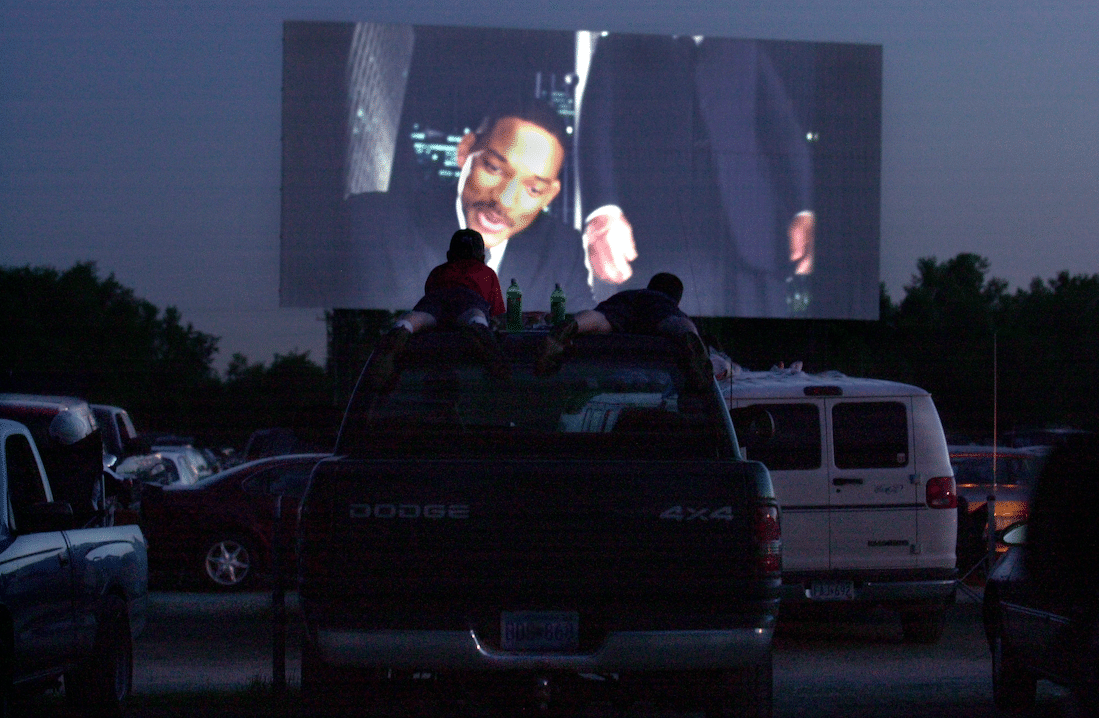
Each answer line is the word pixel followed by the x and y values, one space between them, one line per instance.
pixel 71 597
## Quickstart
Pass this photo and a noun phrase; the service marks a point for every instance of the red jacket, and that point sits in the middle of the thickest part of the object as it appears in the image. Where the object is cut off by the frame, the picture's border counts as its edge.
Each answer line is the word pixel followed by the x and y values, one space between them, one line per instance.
pixel 471 274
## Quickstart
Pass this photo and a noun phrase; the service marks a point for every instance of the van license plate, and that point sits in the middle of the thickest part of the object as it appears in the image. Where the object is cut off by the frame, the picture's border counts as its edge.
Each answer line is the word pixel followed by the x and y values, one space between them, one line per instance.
pixel 549 631
pixel 832 591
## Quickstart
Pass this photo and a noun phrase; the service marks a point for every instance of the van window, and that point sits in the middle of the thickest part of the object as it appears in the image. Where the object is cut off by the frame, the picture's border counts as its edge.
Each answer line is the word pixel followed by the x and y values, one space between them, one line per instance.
pixel 796 442
pixel 870 435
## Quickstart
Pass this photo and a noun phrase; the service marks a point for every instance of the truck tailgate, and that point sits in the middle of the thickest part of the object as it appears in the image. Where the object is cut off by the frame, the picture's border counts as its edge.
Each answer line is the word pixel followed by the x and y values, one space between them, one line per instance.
pixel 494 534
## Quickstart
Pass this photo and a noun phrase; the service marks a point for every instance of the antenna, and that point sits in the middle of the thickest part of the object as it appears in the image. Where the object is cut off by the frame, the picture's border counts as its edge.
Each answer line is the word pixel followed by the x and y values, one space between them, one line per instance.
pixel 991 510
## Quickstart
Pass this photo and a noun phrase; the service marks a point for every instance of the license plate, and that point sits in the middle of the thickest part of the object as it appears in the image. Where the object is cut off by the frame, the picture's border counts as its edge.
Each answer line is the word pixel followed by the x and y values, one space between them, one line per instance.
pixel 832 591
pixel 539 630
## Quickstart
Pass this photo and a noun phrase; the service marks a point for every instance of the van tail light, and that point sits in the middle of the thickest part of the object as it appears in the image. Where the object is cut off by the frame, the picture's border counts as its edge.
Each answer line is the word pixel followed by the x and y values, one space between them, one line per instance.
pixel 768 539
pixel 941 493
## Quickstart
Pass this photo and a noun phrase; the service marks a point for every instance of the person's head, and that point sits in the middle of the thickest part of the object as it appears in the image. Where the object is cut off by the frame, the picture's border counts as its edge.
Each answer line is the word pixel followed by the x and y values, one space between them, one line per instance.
pixel 466 244
pixel 515 158
pixel 667 283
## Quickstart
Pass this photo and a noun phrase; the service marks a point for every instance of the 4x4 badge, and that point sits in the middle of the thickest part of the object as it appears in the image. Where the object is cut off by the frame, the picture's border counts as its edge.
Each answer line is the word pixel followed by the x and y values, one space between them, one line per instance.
pixel 687 513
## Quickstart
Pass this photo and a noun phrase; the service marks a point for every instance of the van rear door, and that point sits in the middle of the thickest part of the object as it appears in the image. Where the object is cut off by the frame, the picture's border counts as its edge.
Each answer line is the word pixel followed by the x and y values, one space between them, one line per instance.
pixel 873 489
pixel 794 455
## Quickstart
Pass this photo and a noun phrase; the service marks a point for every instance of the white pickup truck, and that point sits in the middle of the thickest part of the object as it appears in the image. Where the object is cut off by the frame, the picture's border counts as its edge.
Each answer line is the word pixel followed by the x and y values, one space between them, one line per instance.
pixel 71 599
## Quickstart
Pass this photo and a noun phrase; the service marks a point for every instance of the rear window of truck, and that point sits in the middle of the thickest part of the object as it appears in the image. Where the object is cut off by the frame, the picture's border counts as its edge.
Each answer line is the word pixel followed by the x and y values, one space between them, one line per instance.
pixel 598 407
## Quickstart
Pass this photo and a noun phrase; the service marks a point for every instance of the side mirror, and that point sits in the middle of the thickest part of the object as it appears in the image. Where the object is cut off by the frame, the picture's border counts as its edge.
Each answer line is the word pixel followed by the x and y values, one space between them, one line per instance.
pixel 1014 535
pixel 753 424
pixel 50 516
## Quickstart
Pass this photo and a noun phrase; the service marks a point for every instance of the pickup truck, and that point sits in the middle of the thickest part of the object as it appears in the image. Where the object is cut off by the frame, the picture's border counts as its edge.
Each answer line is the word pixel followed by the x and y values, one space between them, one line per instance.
pixel 71 599
pixel 543 540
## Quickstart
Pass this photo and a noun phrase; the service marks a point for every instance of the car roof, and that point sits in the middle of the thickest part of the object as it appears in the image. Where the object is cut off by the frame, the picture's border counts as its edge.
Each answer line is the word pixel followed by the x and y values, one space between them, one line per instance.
pixel 248 467
pixel 791 382
pixel 976 451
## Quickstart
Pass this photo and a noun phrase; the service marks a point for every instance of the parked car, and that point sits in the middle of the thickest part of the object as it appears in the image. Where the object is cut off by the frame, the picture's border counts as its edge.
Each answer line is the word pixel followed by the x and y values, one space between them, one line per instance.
pixel 586 533
pixel 72 596
pixel 1041 437
pixel 189 462
pixel 861 470
pixel 1042 596
pixel 223 527
pixel 166 465
pixel 70 443
pixel 117 428
pixel 975 468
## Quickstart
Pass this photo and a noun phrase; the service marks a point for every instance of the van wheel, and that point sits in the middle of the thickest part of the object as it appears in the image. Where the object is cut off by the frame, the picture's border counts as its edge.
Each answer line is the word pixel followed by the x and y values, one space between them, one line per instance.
pixel 102 684
pixel 1014 688
pixel 924 625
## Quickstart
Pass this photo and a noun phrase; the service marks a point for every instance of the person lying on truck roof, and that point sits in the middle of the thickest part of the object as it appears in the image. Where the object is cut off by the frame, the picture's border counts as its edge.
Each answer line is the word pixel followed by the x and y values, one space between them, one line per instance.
pixel 653 310
pixel 463 292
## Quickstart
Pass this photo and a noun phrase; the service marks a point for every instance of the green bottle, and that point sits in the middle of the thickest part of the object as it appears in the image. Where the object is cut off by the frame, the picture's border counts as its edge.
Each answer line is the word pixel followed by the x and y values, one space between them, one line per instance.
pixel 515 307
pixel 557 306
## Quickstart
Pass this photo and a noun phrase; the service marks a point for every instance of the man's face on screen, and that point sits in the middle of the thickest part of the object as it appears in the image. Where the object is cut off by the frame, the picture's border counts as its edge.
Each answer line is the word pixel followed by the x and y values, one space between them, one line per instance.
pixel 512 177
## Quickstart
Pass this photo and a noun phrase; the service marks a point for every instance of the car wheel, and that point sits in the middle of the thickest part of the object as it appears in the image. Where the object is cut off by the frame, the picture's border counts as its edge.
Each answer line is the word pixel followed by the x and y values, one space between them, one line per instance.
pixel 101 685
pixel 925 625
pixel 229 562
pixel 1014 688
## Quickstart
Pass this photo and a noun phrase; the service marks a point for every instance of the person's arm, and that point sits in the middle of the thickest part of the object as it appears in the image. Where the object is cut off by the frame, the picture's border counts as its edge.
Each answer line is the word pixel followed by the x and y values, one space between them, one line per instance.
pixel 608 237
pixel 802 234
pixel 796 154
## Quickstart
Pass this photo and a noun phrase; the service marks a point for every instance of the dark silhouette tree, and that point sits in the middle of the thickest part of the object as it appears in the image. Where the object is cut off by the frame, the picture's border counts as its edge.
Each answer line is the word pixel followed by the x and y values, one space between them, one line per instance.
pixel 946 326
pixel 73 332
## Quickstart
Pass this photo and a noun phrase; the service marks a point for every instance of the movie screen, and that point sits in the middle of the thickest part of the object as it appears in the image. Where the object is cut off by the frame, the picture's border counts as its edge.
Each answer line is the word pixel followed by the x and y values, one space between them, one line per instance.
pixel 749 168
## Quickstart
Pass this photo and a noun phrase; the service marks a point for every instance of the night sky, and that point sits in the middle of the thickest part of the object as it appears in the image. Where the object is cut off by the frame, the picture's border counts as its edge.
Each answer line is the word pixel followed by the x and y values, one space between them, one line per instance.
pixel 145 135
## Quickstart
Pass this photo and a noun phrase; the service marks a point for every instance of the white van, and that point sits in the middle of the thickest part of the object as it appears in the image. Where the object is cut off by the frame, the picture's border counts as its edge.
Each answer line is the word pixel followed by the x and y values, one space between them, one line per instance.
pixel 863 478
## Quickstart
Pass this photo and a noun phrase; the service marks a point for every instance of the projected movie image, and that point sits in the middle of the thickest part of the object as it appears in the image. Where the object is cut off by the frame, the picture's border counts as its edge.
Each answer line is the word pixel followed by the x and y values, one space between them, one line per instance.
pixel 749 168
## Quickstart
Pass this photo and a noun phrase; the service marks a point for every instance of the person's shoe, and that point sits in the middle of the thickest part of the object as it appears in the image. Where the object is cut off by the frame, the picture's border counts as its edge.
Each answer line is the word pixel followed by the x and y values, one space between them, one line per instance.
pixel 553 347
pixel 489 350
pixel 383 362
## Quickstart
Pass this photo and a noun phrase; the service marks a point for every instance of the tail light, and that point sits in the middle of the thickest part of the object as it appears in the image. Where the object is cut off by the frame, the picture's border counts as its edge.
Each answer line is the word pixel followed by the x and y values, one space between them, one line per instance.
pixel 941 493
pixel 768 539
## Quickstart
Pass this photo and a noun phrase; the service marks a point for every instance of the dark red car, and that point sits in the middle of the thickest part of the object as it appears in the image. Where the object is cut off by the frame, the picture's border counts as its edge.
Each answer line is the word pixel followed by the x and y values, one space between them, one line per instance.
pixel 223 526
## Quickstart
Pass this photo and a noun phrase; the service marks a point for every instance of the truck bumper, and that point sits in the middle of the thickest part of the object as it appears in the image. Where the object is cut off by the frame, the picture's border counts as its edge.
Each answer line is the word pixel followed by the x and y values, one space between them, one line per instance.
pixel 621 651
pixel 914 591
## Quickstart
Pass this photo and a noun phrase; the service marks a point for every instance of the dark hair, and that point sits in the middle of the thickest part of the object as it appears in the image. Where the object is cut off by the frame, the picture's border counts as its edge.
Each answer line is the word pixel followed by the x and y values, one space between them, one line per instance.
pixel 667 283
pixel 466 244
pixel 532 110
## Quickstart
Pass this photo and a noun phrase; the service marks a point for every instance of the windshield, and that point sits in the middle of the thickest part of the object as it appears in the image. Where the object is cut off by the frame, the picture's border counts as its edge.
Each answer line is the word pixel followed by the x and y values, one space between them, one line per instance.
pixel 593 407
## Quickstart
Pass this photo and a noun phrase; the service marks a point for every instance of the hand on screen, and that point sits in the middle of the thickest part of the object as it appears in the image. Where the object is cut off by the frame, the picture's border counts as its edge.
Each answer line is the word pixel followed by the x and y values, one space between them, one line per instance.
pixel 802 233
pixel 608 241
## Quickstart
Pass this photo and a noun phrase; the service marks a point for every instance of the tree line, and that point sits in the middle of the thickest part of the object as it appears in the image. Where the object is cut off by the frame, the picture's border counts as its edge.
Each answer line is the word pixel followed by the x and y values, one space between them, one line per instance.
pixel 957 332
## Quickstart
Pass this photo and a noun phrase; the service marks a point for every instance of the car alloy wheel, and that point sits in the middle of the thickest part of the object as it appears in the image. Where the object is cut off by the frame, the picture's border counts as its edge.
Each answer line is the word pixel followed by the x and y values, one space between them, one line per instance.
pixel 229 562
